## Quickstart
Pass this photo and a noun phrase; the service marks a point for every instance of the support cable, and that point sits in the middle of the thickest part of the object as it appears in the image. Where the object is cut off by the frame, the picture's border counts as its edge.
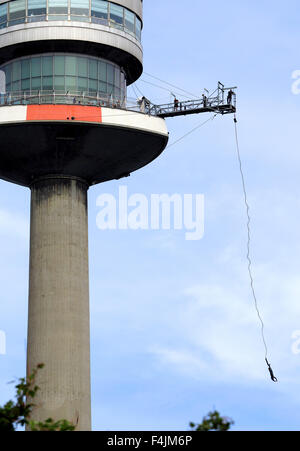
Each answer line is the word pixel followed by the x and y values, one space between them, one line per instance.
pixel 170 84
pixel 191 131
pixel 274 379
pixel 142 94
pixel 135 93
pixel 161 87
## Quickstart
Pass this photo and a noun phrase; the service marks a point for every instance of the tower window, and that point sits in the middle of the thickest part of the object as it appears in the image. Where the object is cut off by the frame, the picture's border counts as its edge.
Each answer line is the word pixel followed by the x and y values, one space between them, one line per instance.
pixel 58 6
pixel 101 12
pixel 64 75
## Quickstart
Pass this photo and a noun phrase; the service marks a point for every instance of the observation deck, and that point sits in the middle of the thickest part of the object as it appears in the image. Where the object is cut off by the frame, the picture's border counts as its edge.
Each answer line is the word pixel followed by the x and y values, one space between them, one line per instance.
pixel 91 137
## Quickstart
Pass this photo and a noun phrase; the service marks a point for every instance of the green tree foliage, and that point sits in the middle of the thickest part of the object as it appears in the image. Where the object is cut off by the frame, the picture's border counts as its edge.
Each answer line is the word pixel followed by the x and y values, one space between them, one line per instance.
pixel 50 425
pixel 17 413
pixel 213 422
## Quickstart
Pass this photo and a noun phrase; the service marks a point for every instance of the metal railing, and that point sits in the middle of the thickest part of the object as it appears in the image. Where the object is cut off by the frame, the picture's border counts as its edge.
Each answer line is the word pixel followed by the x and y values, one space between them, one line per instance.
pixel 221 101
pixel 70 98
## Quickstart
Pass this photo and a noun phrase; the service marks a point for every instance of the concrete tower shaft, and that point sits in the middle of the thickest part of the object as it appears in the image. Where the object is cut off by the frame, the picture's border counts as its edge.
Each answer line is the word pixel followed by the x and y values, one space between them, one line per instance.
pixel 58 322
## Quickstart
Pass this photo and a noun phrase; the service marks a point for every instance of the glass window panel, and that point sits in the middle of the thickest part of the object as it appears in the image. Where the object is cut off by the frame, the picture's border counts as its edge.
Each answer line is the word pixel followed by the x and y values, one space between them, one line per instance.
pixel 7 71
pixel 117 94
pixel 82 67
pixel 102 87
pixel 50 17
pixel 36 18
pixel 36 83
pixel 80 7
pixel 47 65
pixel 122 80
pixel 59 65
pixel 47 83
pixel 16 71
pixel 93 69
pixel 3 11
pixel 110 74
pixel 82 84
pixel 59 84
pixel 36 67
pixel 25 84
pixel 70 83
pixel 58 6
pixel 37 7
pixel 16 21
pixel 117 77
pixel 138 28
pixel 3 15
pixel 116 16
pixel 81 18
pixel 16 9
pixel 71 65
pixel 25 68
pixel 110 90
pixel 129 21
pixel 100 9
pixel 16 85
pixel 102 71
pixel 93 85
pixel 2 81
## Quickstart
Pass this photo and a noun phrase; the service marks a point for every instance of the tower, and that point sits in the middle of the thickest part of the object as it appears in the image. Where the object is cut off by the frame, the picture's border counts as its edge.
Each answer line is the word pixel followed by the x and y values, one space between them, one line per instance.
pixel 65 125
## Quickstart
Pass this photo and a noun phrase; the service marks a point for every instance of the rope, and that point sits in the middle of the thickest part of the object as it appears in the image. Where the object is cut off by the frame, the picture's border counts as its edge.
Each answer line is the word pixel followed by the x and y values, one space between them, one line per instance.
pixel 274 379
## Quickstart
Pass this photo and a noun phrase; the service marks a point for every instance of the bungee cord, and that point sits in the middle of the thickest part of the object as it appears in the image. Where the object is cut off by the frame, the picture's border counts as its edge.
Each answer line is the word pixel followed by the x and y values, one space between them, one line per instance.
pixel 274 379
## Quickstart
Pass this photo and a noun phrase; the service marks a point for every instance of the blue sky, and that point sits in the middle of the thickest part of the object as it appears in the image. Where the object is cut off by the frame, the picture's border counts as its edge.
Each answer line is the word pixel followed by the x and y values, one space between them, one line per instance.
pixel 174 332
